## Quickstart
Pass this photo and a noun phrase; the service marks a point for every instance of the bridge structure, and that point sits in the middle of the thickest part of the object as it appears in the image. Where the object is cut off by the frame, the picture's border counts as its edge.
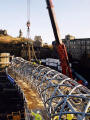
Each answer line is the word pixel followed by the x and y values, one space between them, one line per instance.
pixel 61 95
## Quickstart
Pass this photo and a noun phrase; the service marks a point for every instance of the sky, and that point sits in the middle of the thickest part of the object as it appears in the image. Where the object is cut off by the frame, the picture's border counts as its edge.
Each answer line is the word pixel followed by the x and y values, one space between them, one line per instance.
pixel 73 17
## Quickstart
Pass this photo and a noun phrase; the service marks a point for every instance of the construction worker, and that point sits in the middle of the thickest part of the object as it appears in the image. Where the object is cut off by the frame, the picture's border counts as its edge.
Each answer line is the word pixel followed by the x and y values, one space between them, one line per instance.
pixel 37 115
pixel 70 116
pixel 56 118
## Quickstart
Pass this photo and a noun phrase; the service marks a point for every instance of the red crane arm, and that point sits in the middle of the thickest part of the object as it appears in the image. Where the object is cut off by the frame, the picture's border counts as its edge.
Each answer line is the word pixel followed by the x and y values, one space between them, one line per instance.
pixel 61 49
pixel 62 52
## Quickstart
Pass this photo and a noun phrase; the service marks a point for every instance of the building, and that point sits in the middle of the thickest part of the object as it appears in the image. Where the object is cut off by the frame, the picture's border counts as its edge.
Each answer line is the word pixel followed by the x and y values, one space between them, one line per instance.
pixel 77 47
pixel 3 32
pixel 20 33
pixel 38 41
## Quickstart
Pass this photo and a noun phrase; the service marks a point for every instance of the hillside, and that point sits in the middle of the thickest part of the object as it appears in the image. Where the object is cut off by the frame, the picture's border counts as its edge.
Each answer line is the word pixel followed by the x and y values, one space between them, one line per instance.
pixel 11 40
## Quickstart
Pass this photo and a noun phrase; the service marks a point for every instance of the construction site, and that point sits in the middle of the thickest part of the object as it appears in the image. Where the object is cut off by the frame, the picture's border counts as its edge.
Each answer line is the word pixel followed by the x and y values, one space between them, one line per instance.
pixel 38 81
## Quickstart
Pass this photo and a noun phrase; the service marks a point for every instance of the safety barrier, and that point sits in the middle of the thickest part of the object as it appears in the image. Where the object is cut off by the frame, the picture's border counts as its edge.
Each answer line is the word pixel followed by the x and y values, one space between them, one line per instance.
pixel 63 97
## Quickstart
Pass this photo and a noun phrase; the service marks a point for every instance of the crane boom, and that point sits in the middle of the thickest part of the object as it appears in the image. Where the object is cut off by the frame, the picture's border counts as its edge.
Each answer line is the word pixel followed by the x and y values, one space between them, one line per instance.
pixel 53 21
pixel 61 49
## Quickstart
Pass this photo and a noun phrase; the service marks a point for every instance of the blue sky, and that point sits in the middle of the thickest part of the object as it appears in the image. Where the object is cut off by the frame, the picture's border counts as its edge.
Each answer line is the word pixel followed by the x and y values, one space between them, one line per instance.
pixel 73 18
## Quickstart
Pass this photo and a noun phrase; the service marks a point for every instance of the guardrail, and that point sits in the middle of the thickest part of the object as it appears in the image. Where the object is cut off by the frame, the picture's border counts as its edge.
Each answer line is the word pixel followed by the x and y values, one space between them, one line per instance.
pixel 62 96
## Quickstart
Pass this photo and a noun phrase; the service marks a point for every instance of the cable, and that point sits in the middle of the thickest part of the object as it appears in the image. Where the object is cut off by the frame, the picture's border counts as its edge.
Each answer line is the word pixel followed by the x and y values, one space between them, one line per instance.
pixel 28 34
pixel 28 19
pixel 28 29
pixel 28 10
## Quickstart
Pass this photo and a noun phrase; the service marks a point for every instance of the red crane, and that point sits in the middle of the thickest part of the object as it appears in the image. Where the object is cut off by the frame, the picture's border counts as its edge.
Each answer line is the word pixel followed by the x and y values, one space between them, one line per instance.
pixel 61 49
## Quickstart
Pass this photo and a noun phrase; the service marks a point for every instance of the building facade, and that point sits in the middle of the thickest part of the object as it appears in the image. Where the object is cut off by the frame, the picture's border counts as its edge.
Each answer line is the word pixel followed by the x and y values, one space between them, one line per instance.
pixel 38 41
pixel 77 47
pixel 3 32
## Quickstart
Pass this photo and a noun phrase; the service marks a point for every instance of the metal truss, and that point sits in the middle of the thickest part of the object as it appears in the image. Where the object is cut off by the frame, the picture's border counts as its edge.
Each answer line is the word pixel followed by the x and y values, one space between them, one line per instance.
pixel 61 95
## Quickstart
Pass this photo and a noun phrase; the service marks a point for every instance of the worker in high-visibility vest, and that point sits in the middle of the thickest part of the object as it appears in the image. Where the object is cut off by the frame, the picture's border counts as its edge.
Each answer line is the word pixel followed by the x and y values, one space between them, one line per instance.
pixel 70 116
pixel 56 118
pixel 34 63
pixel 37 115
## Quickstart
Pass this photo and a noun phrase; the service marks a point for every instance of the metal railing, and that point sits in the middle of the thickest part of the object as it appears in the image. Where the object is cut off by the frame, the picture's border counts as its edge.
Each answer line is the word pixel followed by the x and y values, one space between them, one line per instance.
pixel 61 95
